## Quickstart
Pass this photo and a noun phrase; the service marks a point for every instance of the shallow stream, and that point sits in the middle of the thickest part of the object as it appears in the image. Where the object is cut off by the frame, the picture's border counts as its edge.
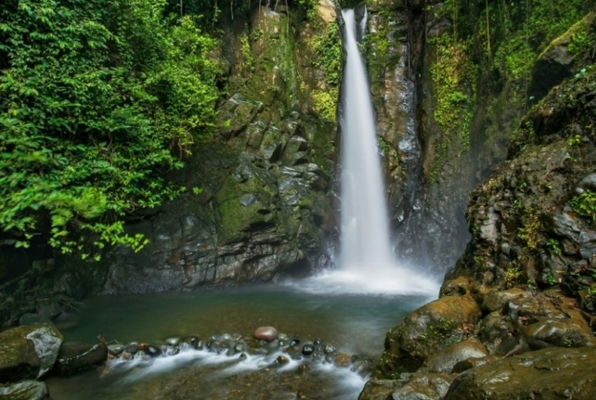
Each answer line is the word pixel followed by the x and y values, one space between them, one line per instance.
pixel 354 324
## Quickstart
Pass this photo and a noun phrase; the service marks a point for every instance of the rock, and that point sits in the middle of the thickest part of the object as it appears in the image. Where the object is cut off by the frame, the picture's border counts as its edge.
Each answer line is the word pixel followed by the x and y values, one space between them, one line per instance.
pixel 282 360
pixel 588 182
pixel 28 351
pixel 267 333
pixel 115 349
pixel 378 389
pixel 587 244
pixel 75 357
pixel 563 225
pixel 434 326
pixel 548 374
pixel 342 360
pixel 496 300
pixel 444 360
pixel 173 341
pixel 562 333
pixel 471 363
pixel 308 349
pixel 25 390
pixel 424 386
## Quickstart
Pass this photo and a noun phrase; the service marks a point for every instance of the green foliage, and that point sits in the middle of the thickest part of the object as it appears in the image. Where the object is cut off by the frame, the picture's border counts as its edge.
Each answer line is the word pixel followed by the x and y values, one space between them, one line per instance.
pixel 328 51
pixel 325 102
pixel 585 205
pixel 511 276
pixel 529 233
pixel 554 245
pixel 452 72
pixel 97 98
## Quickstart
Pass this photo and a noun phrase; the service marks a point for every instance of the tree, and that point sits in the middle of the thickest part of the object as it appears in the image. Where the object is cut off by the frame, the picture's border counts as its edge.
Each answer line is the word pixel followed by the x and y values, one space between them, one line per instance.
pixel 98 99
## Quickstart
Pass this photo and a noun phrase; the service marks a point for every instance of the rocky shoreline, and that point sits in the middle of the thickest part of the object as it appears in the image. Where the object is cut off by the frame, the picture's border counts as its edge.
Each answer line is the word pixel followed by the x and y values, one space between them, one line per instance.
pixel 31 353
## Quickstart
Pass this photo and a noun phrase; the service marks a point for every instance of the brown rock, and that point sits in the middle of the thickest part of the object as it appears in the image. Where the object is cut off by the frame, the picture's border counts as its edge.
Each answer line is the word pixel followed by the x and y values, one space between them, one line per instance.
pixel 548 374
pixel 267 333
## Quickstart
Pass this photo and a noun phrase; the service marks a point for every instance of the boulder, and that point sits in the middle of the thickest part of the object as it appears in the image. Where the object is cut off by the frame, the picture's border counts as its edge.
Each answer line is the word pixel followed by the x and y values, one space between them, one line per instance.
pixel 546 374
pixel 434 326
pixel 74 357
pixel 444 360
pixel 424 386
pixel 25 390
pixel 28 351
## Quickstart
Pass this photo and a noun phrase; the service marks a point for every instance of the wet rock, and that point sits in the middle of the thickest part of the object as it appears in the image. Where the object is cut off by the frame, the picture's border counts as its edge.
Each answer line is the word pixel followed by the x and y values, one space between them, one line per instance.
pixel 152 351
pixel 115 349
pixel 471 363
pixel 546 374
pixel 282 360
pixel 496 300
pixel 444 360
pixel 173 341
pixel 379 389
pixel 564 225
pixel 283 337
pixel 28 351
pixel 496 328
pixel 25 390
pixel 132 347
pixel 267 333
pixel 342 360
pixel 329 349
pixel 434 326
pixel 294 342
pixel 424 386
pixel 587 183
pixel 308 349
pixel 587 244
pixel 562 333
pixel 75 357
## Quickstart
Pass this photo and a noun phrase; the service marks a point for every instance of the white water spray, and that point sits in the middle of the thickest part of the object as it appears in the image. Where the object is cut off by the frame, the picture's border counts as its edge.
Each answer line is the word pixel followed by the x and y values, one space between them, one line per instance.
pixel 367 262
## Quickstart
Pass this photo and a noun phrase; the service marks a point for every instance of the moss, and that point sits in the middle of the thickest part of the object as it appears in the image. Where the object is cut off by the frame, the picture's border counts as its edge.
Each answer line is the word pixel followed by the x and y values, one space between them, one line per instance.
pixel 325 103
pixel 241 205
pixel 451 73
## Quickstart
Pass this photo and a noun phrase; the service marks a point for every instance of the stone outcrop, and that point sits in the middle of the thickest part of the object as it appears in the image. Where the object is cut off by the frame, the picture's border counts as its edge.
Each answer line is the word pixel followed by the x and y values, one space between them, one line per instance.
pixel 527 271
pixel 28 352
pixel 257 202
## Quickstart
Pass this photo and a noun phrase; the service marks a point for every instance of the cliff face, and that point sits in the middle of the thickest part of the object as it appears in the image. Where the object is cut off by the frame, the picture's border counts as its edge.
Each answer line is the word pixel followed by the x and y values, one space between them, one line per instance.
pixel 264 206
pixel 257 202
pixel 519 303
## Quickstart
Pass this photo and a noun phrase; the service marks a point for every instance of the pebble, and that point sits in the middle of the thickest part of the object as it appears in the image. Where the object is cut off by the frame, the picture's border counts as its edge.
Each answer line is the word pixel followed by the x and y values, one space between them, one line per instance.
pixel 308 349
pixel 173 341
pixel 153 351
pixel 115 349
pixel 294 342
pixel 267 333
pixel 282 360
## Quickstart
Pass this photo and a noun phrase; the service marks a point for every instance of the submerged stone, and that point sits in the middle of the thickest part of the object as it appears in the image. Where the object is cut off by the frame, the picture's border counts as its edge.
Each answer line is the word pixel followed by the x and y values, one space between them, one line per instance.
pixel 267 333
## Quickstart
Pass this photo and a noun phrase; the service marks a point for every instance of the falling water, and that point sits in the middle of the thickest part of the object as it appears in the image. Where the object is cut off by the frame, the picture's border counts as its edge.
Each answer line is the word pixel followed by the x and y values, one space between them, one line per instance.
pixel 367 264
pixel 366 255
pixel 364 227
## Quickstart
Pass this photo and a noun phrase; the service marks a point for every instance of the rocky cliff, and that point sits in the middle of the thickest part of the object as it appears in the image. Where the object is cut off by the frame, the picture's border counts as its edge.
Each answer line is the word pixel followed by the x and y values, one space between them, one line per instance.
pixel 519 304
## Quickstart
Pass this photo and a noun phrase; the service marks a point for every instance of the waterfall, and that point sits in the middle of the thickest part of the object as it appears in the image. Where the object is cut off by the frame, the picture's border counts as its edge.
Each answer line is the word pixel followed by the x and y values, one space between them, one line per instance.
pixel 365 239
pixel 366 259
pixel 367 264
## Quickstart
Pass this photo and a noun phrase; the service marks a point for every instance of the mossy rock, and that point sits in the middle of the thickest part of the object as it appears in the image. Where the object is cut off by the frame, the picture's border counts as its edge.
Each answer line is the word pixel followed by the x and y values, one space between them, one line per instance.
pixel 434 326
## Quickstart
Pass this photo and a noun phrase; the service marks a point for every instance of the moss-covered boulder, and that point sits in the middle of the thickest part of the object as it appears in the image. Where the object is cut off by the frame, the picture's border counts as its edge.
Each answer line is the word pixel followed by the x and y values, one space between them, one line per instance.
pixel 25 390
pixel 28 351
pixel 434 326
